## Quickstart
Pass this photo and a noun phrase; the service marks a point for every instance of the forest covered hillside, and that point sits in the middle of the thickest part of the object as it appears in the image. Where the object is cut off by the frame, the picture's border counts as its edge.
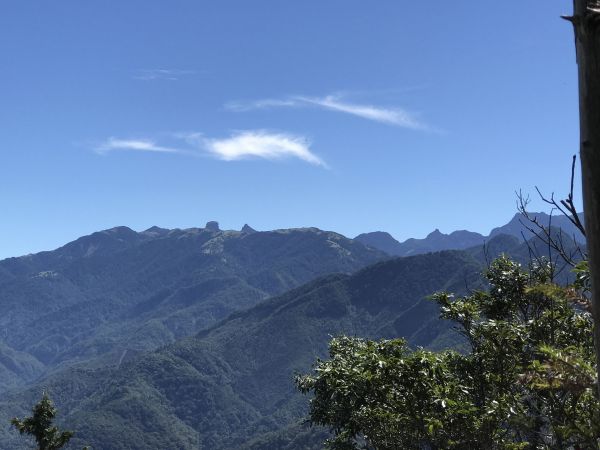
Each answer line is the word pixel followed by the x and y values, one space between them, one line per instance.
pixel 107 296
pixel 233 382
pixel 190 338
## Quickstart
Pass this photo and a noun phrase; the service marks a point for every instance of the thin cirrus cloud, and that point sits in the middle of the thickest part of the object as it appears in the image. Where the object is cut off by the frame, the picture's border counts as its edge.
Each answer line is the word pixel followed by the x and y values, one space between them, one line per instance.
pixel 161 74
pixel 137 145
pixel 390 116
pixel 255 144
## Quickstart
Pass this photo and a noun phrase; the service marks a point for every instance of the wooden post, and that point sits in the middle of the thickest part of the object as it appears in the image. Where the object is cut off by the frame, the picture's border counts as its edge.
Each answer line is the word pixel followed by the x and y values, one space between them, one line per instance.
pixel 586 21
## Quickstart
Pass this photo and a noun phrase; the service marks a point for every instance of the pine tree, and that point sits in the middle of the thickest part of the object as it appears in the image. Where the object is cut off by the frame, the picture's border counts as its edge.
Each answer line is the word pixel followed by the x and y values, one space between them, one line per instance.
pixel 39 425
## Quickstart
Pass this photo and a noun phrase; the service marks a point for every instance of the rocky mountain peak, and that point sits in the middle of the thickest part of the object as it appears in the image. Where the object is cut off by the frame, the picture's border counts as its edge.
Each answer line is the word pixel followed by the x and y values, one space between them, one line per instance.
pixel 248 229
pixel 212 226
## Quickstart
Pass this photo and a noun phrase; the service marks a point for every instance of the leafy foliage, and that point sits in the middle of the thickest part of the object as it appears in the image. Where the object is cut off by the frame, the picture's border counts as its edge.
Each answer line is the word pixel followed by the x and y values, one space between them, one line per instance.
pixel 39 425
pixel 527 381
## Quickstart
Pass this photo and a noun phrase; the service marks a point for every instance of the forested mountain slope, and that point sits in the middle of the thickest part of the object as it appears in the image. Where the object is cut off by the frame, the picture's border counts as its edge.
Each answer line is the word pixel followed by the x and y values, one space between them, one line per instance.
pixel 232 383
pixel 229 386
pixel 114 293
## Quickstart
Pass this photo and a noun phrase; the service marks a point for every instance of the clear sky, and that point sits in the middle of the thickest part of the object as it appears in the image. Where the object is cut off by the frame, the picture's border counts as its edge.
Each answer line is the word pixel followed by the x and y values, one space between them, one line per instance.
pixel 346 115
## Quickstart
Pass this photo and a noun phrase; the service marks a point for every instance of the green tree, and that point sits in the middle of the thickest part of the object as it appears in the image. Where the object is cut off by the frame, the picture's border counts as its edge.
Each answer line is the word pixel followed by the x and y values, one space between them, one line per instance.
pixel 39 425
pixel 525 380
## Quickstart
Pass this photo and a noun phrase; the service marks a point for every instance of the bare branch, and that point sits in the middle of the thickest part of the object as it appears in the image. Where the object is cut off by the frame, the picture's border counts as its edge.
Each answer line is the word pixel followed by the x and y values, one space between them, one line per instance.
pixel 554 240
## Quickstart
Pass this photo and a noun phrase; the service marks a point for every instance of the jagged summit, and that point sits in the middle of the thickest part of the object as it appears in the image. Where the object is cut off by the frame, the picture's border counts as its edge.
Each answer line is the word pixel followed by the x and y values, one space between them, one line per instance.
pixel 248 229
pixel 212 226
pixel 435 233
pixel 463 239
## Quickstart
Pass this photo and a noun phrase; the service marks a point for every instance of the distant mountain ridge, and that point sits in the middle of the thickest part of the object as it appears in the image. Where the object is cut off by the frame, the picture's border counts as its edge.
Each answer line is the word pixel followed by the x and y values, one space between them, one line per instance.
pixel 463 239
pixel 515 226
pixel 117 292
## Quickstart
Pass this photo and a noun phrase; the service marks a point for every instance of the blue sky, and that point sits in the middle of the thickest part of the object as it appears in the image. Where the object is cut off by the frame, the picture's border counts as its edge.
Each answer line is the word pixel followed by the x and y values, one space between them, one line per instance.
pixel 347 115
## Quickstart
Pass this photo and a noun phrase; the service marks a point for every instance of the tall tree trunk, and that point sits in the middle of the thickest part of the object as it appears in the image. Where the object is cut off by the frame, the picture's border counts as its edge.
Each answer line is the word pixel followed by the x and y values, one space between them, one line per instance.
pixel 586 20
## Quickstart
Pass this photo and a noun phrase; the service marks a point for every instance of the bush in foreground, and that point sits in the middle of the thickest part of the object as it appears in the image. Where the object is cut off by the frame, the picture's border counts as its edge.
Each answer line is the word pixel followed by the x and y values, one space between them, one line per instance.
pixel 526 382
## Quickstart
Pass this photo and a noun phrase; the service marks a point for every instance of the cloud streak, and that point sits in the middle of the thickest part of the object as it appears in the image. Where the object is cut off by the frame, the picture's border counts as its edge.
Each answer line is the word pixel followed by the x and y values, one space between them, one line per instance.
pixel 137 145
pixel 262 104
pixel 161 74
pixel 253 144
pixel 390 116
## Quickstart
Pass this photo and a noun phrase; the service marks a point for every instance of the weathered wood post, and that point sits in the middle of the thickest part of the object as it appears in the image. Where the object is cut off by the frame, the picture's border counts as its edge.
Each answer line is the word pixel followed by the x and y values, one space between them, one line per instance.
pixel 586 22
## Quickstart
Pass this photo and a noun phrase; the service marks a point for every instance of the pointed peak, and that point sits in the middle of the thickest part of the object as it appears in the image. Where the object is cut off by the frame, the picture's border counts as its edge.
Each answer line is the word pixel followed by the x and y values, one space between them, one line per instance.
pixel 248 229
pixel 435 233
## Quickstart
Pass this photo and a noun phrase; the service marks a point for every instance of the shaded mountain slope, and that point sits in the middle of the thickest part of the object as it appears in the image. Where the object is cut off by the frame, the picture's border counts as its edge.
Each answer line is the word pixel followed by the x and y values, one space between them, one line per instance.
pixel 118 290
pixel 233 383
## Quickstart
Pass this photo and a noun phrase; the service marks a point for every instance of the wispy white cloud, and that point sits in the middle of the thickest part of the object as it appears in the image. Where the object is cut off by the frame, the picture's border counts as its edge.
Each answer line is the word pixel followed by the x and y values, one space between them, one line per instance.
pixel 240 145
pixel 261 144
pixel 390 116
pixel 138 145
pixel 161 74
pixel 261 104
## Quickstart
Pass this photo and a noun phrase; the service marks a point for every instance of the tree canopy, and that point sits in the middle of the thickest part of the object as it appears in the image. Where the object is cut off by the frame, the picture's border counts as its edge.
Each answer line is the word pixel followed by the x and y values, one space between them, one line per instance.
pixel 39 425
pixel 526 379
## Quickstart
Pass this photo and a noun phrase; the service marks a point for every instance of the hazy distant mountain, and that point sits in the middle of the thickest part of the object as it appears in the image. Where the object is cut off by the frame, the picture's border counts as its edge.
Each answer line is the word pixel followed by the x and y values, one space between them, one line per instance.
pixel 434 242
pixel 462 239
pixel 516 226
pixel 117 292
pixel 382 241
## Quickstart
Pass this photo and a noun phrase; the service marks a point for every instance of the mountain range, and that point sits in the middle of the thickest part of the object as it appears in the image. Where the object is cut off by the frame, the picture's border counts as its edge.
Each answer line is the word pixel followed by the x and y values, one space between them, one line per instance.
pixel 173 339
pixel 436 241
pixel 117 292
